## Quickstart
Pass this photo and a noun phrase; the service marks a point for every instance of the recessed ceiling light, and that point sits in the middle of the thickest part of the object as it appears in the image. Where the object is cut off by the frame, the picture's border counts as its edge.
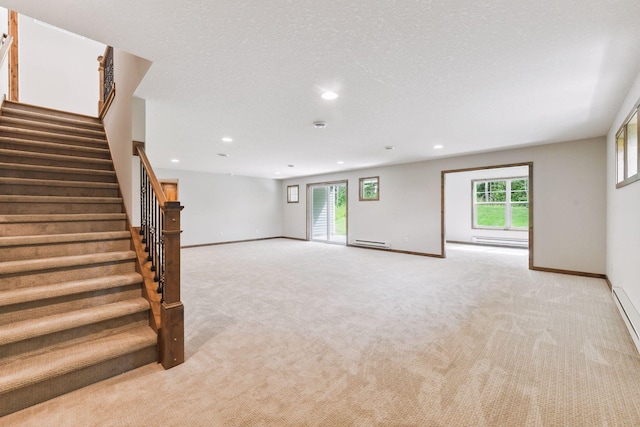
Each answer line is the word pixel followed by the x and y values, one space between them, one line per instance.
pixel 277 173
pixel 227 139
pixel 329 95
pixel 175 161
pixel 340 162
pixel 438 147
pixel 320 124
pixel 389 147
pixel 223 155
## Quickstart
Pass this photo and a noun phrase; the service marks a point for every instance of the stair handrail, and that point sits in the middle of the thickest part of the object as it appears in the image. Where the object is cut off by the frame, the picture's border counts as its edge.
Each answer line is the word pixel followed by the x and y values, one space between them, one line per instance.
pixel 160 231
pixel 5 44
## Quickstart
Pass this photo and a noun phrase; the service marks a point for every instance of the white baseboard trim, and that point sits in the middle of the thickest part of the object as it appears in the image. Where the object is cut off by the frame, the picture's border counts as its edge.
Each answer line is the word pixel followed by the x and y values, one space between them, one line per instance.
pixel 628 313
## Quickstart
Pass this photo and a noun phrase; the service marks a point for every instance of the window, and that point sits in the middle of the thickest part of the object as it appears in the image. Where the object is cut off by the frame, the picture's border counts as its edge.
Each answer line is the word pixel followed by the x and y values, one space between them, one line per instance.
pixel 501 203
pixel 292 194
pixel 627 151
pixel 370 188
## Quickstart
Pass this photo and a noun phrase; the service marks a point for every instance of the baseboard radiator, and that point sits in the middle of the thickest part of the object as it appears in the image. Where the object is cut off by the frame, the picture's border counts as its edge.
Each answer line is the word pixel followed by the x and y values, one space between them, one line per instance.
pixel 371 244
pixel 500 241
pixel 629 314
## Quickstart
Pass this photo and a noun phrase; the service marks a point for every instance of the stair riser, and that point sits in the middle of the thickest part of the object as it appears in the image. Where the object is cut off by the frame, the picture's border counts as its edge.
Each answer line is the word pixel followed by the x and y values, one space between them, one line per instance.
pixel 17 253
pixel 70 163
pixel 52 137
pixel 49 112
pixel 47 120
pixel 61 130
pixel 52 306
pixel 56 176
pixel 49 190
pixel 39 228
pixel 24 397
pixel 58 208
pixel 23 348
pixel 45 277
pixel 62 149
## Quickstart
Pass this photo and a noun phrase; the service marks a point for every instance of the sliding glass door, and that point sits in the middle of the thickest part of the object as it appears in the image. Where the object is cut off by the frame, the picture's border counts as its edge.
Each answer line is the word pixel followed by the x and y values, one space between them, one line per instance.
pixel 328 212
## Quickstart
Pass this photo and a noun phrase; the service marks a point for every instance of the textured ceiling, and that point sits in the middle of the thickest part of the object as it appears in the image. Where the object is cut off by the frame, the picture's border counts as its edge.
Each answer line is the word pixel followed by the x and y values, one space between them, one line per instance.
pixel 470 75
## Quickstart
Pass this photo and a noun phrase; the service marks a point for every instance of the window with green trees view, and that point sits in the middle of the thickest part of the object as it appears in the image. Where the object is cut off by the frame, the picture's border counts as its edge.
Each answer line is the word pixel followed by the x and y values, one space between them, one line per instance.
pixel 501 203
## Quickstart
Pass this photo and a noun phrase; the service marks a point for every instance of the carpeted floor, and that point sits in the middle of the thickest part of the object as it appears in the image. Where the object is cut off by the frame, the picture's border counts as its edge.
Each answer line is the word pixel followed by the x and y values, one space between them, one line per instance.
pixel 288 333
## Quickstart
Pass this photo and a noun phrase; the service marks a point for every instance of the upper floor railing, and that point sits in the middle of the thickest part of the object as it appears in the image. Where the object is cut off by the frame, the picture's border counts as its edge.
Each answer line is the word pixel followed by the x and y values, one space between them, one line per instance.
pixel 160 232
pixel 107 82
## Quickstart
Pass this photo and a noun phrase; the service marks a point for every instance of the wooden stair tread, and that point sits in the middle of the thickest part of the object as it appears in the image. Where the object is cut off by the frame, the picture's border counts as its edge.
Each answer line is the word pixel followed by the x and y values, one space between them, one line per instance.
pixel 45 239
pixel 27 329
pixel 12 219
pixel 58 362
pixel 56 169
pixel 35 293
pixel 17 121
pixel 52 156
pixel 54 136
pixel 57 183
pixel 10 198
pixel 32 265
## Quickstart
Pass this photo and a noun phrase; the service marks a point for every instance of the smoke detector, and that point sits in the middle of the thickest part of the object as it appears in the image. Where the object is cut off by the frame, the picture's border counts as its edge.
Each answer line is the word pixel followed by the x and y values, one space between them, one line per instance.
pixel 319 124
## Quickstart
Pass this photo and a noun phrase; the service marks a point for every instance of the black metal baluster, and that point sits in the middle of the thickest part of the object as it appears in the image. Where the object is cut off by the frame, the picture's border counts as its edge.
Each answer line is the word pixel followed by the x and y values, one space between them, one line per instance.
pixel 143 190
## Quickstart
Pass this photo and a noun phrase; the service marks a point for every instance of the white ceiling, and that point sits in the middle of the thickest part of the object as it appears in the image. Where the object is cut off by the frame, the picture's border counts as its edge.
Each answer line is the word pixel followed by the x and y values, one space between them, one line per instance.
pixel 470 75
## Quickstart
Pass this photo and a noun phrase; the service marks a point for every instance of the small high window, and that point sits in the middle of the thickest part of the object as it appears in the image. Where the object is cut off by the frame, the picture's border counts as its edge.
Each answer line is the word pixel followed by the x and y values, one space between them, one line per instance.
pixel 292 194
pixel 627 151
pixel 370 188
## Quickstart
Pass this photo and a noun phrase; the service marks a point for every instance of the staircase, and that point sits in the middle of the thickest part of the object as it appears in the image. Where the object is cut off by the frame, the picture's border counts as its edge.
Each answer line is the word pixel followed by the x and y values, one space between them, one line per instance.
pixel 71 305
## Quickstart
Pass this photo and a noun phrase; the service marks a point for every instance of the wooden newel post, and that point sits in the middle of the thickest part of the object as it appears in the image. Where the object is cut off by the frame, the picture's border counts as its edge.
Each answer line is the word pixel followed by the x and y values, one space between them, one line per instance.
pixel 172 311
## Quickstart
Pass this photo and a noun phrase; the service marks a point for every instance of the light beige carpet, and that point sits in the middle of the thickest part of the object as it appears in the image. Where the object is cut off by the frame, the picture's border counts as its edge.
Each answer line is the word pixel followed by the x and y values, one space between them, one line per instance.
pixel 288 333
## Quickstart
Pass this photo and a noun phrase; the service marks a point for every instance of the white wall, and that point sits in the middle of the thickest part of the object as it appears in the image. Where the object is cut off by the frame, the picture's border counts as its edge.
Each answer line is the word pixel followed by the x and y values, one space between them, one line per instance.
pixel 138 133
pixel 4 69
pixel 58 70
pixel 225 208
pixel 459 204
pixel 623 215
pixel 568 189
pixel 129 70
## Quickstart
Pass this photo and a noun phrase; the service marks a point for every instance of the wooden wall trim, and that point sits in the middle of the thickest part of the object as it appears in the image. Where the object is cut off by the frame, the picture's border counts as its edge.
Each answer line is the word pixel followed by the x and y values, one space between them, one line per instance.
pixel 570 272
pixel 13 57
pixel 398 251
pixel 235 241
pixel 478 168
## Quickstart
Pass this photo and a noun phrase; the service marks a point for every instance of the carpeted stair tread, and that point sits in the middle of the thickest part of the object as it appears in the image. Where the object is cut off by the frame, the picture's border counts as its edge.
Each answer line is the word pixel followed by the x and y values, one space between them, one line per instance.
pixel 57 183
pixel 57 169
pixel 47 118
pixel 30 265
pixel 10 198
pixel 35 293
pixel 51 156
pixel 44 239
pixel 58 362
pixel 64 129
pixel 6 219
pixel 32 328
pixel 49 135
pixel 23 106
pixel 54 145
